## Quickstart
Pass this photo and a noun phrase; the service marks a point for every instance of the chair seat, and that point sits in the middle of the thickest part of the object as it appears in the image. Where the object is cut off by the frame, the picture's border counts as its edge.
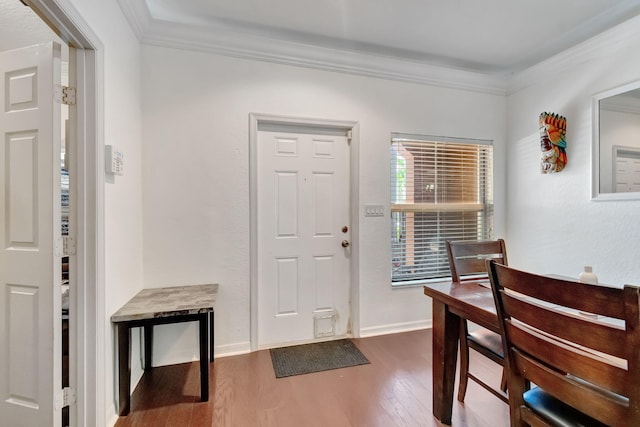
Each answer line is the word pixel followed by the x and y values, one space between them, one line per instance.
pixel 555 411
pixel 486 340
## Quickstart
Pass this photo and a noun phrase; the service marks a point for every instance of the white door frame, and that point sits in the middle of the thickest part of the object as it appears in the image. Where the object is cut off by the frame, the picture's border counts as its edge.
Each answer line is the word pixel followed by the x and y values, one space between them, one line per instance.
pixel 258 119
pixel 89 300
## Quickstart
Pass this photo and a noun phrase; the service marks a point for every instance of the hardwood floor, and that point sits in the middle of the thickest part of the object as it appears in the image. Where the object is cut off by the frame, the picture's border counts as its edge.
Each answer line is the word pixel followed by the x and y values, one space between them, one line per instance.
pixel 394 390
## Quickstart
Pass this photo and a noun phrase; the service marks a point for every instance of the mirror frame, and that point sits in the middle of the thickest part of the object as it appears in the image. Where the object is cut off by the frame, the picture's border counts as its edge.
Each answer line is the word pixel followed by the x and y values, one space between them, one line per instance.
pixel 596 195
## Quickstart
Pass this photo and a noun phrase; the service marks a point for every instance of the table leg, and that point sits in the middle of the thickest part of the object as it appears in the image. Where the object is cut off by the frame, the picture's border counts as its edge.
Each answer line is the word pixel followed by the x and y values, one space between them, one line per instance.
pixel 211 342
pixel 204 357
pixel 446 333
pixel 124 368
pixel 148 347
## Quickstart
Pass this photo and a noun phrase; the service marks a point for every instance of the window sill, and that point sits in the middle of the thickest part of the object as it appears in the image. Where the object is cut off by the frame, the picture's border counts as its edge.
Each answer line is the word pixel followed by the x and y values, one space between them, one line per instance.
pixel 417 283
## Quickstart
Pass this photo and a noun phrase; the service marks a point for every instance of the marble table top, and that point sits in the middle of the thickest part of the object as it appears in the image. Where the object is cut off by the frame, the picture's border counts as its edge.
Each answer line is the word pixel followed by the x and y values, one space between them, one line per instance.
pixel 167 302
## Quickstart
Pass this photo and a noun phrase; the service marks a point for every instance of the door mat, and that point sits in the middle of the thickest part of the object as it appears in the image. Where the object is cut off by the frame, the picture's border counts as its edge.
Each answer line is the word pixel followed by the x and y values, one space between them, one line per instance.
pixel 316 357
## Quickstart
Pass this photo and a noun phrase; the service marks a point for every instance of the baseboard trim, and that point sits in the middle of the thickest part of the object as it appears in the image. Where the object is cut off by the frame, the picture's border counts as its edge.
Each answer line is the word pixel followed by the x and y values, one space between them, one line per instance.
pixel 395 328
pixel 243 347
pixel 114 418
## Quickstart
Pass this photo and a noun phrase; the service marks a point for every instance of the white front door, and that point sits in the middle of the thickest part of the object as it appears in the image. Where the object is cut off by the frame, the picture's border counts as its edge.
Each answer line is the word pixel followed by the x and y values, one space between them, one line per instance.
pixel 303 234
pixel 30 312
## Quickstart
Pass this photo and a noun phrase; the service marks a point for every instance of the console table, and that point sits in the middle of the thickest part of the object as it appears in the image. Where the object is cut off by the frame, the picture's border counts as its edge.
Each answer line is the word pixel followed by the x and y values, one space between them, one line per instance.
pixel 160 306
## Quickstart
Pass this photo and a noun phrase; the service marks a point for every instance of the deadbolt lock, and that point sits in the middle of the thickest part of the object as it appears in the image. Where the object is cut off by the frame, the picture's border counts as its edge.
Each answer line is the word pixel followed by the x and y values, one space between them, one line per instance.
pixel 345 229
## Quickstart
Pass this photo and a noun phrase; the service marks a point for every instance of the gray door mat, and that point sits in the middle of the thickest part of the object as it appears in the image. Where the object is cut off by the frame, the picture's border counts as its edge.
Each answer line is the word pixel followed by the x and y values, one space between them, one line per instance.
pixel 316 357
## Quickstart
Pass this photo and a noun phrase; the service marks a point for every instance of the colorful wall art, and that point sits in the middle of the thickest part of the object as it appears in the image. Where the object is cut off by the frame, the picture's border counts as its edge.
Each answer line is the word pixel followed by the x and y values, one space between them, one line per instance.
pixel 553 143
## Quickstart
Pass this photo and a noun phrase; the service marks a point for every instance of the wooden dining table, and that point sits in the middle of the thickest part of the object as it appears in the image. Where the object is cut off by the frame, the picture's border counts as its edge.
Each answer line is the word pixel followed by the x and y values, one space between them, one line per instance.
pixel 452 302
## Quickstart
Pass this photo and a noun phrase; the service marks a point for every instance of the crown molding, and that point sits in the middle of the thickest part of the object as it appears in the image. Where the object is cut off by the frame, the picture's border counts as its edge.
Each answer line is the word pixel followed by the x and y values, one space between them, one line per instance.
pixel 137 14
pixel 315 57
pixel 619 107
pixel 597 48
pixel 623 109
pixel 227 42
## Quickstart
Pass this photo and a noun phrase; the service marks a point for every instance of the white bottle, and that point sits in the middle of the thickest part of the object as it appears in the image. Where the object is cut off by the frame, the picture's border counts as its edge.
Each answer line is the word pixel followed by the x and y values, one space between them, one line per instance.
pixel 588 276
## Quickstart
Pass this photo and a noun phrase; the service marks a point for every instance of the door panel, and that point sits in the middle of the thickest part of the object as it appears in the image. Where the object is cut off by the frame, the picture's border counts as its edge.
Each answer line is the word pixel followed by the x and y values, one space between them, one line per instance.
pixel 303 204
pixel 287 286
pixel 30 352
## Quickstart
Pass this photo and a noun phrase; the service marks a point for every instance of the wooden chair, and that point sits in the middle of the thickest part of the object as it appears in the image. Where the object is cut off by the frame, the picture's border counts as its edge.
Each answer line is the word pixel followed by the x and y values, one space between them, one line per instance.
pixel 586 368
pixel 467 262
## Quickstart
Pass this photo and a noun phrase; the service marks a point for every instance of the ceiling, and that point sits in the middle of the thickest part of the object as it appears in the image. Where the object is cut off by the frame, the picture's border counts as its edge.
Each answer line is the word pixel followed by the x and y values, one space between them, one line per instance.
pixel 496 37
pixel 20 26
pixel 471 44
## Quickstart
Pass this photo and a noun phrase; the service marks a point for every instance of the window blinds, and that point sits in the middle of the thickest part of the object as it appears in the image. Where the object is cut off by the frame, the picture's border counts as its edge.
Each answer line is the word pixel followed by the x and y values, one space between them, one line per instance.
pixel 441 189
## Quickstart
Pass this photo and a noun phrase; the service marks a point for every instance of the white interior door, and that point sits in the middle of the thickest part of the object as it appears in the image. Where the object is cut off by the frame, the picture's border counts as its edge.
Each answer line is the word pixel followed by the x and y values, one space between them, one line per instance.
pixel 627 174
pixel 30 331
pixel 303 220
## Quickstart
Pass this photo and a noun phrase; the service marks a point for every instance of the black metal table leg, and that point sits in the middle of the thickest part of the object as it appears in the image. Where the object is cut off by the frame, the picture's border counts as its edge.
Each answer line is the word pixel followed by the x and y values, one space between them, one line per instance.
pixel 148 347
pixel 211 341
pixel 204 359
pixel 124 368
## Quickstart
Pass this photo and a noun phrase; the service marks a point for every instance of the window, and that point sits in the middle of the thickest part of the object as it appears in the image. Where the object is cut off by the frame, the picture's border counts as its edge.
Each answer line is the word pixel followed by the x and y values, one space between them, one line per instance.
pixel 441 189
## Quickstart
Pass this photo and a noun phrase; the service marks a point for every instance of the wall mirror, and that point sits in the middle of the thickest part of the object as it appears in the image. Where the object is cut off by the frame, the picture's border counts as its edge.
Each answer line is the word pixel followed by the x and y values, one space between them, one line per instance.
pixel 616 143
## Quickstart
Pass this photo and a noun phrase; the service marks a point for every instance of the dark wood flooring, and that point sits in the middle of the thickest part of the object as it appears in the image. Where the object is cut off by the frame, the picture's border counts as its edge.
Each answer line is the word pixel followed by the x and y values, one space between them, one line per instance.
pixel 394 390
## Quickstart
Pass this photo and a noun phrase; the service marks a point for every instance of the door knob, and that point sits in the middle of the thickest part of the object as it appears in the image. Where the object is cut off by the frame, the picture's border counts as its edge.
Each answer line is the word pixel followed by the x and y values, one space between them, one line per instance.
pixel 345 243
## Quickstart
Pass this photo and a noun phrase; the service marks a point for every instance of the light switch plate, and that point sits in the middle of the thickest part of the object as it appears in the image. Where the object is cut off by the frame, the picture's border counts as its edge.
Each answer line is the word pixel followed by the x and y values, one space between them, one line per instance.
pixel 373 210
pixel 114 160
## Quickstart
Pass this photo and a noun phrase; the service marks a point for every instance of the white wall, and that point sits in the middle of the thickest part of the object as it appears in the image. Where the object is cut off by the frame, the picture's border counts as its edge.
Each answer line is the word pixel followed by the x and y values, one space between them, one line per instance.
pixel 553 226
pixel 196 176
pixel 123 207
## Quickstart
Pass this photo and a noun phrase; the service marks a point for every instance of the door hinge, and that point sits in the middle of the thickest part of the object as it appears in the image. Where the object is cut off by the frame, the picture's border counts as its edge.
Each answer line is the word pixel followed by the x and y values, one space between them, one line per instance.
pixel 65 95
pixel 349 135
pixel 65 397
pixel 68 95
pixel 68 245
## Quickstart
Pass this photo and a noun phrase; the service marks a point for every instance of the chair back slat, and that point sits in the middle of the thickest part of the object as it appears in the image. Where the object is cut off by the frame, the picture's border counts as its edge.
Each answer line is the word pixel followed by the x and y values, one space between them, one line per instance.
pixel 468 258
pixel 590 363
pixel 589 366
pixel 603 337
pixel 603 300
pixel 606 407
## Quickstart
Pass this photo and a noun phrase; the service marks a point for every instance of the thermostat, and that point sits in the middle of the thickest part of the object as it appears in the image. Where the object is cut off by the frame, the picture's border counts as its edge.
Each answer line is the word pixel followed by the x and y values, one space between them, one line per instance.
pixel 114 160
